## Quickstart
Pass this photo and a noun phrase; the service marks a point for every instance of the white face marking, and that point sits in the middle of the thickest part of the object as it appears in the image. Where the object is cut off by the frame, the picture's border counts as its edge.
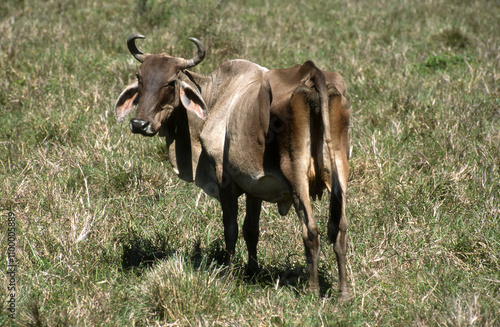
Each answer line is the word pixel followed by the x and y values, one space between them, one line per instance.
pixel 149 131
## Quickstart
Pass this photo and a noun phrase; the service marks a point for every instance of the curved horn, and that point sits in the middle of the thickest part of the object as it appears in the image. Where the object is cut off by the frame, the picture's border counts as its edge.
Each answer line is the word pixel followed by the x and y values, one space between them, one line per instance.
pixel 199 56
pixel 133 48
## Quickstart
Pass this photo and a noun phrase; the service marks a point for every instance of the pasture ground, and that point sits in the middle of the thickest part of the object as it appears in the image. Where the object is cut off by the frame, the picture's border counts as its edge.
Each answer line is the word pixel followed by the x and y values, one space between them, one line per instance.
pixel 107 235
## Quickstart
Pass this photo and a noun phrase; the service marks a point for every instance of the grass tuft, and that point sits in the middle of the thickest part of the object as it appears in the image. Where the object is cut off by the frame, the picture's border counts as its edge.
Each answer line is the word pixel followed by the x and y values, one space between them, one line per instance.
pixel 178 292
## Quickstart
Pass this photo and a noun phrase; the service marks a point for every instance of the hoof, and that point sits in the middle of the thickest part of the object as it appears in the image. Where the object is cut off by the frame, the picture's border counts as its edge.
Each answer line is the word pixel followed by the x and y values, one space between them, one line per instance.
pixel 344 296
pixel 314 289
pixel 252 271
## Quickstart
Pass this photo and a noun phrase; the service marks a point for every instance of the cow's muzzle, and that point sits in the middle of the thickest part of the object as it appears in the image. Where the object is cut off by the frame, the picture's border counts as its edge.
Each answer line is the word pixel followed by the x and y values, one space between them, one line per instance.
pixel 140 126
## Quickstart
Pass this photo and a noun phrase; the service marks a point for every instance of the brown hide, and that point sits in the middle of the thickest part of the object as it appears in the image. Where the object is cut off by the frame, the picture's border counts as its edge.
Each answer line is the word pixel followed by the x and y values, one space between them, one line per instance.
pixel 303 121
pixel 275 135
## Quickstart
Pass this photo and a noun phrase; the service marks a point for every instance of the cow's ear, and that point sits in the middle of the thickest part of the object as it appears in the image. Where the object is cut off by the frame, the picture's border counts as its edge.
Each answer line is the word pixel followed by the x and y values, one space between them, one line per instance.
pixel 192 100
pixel 126 101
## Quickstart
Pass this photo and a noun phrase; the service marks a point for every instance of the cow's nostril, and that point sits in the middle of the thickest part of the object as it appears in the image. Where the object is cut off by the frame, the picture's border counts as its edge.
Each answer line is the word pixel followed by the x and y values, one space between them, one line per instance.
pixel 138 125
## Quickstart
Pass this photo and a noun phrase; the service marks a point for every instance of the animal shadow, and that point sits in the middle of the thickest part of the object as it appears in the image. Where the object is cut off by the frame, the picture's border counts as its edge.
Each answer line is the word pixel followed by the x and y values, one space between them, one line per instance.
pixel 140 253
pixel 288 275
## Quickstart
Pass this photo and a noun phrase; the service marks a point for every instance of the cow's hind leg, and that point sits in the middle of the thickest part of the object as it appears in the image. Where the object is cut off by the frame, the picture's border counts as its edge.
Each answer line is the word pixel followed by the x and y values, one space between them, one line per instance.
pixel 295 164
pixel 251 232
pixel 310 236
pixel 337 234
pixel 337 226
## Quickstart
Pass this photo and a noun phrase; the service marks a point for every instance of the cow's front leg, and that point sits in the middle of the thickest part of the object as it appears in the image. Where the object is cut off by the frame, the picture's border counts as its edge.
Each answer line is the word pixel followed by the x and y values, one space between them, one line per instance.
pixel 229 204
pixel 251 232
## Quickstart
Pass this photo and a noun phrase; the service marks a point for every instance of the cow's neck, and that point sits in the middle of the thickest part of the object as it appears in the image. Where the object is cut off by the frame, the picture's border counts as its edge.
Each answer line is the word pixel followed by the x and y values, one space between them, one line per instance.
pixel 183 137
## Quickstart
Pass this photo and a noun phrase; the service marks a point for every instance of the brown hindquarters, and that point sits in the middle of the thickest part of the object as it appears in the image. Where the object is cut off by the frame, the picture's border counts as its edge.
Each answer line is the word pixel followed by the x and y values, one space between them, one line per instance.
pixel 305 103
pixel 307 130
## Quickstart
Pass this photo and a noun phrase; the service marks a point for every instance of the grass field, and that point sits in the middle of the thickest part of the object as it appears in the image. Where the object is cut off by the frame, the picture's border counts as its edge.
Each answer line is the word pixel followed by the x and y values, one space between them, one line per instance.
pixel 107 235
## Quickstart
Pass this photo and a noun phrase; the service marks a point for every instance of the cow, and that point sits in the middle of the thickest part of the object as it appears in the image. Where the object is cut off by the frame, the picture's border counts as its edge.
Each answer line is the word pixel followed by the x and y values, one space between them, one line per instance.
pixel 277 135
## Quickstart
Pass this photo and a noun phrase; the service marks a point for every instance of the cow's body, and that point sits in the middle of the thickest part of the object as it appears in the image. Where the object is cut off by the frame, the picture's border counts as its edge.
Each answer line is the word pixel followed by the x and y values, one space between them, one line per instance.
pixel 275 135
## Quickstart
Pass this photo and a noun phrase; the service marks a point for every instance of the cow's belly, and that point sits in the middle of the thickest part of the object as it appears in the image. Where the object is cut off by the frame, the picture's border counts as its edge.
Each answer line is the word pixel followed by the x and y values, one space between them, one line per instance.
pixel 268 187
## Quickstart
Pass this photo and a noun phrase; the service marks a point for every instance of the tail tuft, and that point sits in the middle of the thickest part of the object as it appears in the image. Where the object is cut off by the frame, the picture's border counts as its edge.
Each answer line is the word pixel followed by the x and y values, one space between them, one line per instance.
pixel 335 208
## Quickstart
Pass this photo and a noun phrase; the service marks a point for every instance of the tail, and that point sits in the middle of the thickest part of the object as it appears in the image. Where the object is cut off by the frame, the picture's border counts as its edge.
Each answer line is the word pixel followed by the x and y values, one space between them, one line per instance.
pixel 319 80
pixel 336 198
pixel 336 192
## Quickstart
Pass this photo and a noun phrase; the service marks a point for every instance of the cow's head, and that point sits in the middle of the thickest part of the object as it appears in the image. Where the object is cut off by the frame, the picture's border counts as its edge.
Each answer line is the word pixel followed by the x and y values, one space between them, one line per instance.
pixel 160 89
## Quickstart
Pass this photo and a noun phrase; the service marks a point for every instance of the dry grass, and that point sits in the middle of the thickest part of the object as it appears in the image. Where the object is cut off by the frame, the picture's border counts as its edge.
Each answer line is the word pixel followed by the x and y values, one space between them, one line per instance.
pixel 107 235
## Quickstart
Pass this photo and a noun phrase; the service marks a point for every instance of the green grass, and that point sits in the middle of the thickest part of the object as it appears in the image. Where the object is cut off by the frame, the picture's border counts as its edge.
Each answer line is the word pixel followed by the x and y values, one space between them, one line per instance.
pixel 107 235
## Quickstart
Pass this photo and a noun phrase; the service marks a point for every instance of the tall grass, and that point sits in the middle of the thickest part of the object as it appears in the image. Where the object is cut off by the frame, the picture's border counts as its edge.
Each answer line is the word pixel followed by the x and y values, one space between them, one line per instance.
pixel 107 235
